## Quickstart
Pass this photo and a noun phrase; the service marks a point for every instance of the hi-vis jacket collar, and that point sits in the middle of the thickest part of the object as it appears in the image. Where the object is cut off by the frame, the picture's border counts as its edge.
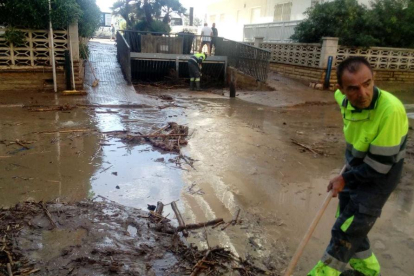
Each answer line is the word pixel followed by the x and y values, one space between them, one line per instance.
pixel 375 97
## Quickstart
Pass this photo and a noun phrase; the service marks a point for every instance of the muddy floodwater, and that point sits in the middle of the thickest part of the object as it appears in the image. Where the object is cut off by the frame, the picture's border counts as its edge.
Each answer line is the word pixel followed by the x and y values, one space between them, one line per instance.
pixel 246 155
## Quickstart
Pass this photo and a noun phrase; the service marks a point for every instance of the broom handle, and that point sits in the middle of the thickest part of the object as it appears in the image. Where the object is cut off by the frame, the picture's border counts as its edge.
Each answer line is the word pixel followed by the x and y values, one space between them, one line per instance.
pixel 93 71
pixel 309 232
pixel 90 64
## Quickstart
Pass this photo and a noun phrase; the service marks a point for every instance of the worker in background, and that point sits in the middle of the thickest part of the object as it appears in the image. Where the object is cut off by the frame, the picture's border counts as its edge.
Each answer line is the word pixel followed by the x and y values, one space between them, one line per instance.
pixel 113 36
pixel 375 128
pixel 213 38
pixel 194 67
pixel 206 34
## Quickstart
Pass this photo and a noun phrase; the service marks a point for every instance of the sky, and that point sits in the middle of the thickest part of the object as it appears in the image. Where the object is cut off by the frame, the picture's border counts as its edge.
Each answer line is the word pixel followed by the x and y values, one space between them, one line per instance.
pixel 200 6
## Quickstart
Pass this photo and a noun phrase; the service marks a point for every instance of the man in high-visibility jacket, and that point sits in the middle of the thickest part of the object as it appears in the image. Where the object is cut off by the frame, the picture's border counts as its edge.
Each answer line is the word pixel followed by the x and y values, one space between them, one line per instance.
pixel 375 128
pixel 194 68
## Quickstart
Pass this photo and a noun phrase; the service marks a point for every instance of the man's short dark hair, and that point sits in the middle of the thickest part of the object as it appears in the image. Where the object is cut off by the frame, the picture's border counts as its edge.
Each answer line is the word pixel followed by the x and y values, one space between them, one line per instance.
pixel 352 65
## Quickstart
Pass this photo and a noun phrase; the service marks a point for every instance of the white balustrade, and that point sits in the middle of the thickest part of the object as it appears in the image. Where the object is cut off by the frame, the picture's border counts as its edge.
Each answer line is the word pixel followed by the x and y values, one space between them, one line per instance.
pixel 35 51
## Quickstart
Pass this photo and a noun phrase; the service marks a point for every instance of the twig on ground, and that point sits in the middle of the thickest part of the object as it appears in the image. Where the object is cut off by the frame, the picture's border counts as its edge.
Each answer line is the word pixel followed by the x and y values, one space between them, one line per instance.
pixel 179 218
pixel 48 215
pixel 304 146
pixel 104 170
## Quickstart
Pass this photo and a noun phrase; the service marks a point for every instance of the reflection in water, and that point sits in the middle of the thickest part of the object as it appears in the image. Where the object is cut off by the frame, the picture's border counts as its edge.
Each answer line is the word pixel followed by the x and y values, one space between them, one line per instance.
pixel 134 178
pixel 56 165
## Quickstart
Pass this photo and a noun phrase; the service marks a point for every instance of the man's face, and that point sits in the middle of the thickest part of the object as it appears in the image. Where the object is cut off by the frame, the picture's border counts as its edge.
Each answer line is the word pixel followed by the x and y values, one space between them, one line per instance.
pixel 214 25
pixel 358 87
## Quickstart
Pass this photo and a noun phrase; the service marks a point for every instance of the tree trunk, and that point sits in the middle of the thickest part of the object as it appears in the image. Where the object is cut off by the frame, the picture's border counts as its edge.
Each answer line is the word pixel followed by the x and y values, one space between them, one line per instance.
pixel 166 19
pixel 126 15
pixel 147 9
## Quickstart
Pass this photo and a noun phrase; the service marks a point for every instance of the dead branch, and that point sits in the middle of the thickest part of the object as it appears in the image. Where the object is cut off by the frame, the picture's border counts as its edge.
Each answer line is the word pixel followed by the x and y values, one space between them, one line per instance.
pixel 200 225
pixel 233 221
pixel 160 208
pixel 64 131
pixel 218 224
pixel 179 218
pixel 21 144
pixel 48 215
pixel 104 170
pixel 198 267
pixel 114 105
pixel 304 146
pixel 9 269
pixel 160 129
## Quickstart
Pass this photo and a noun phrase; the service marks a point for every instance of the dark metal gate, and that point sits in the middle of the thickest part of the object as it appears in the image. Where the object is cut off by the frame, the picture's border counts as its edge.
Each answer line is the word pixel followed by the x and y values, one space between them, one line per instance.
pixel 250 60
pixel 151 55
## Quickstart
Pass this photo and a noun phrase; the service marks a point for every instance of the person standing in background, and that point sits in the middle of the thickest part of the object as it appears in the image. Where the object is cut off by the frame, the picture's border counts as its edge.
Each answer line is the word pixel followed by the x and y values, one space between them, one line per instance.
pixel 214 38
pixel 206 34
pixel 112 32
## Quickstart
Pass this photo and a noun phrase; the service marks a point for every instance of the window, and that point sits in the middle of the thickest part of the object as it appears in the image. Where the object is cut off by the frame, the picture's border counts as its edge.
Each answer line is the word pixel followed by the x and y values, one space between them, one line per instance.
pixel 222 17
pixel 282 12
pixel 212 19
pixel 255 16
pixel 176 22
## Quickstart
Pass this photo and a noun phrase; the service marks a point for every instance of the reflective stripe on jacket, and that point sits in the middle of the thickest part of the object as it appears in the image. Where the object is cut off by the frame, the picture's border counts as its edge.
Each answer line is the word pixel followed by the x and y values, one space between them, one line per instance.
pixel 376 136
pixel 198 58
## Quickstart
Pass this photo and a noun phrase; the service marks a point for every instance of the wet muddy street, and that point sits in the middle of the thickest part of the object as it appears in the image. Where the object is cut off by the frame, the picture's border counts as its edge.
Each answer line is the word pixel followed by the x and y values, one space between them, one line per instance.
pixel 246 155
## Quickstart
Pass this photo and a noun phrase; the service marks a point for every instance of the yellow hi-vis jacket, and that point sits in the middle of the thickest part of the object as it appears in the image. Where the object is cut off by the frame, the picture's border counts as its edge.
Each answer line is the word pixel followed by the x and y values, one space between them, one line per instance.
pixel 375 136
pixel 198 58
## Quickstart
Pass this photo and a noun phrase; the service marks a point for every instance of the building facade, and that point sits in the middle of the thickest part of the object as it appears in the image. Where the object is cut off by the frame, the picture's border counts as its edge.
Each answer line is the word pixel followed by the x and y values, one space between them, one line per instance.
pixel 230 16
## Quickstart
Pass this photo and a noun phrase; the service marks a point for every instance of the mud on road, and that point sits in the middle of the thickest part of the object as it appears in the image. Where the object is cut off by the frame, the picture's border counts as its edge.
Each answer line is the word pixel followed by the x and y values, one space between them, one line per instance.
pixel 269 154
pixel 102 238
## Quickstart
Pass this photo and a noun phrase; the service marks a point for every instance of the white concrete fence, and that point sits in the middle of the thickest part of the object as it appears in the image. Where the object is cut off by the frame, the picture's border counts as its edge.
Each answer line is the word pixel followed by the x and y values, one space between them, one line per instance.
pixel 316 55
pixel 36 49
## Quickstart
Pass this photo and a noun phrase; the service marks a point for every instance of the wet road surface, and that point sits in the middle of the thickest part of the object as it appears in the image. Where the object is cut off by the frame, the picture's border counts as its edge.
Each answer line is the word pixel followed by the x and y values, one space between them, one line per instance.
pixel 244 156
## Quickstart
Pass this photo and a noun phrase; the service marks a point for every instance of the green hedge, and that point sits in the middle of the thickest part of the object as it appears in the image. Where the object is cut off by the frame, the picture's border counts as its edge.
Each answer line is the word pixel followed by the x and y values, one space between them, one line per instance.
pixel 34 14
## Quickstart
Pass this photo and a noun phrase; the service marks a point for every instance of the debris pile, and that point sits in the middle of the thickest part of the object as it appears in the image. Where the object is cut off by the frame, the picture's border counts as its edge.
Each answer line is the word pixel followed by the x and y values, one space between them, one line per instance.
pixel 40 108
pixel 169 138
pixel 104 237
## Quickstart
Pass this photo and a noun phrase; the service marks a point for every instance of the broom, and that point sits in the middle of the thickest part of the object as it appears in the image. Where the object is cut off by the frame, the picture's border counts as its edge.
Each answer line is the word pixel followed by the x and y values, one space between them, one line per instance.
pixel 74 91
pixel 309 232
pixel 96 81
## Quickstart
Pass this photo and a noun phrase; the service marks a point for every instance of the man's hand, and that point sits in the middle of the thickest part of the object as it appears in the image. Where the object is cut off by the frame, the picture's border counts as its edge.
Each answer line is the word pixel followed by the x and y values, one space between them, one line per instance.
pixel 336 184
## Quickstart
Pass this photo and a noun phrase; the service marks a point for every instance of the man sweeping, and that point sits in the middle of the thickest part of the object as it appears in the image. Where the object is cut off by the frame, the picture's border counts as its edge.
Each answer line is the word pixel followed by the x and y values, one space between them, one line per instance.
pixel 194 67
pixel 375 128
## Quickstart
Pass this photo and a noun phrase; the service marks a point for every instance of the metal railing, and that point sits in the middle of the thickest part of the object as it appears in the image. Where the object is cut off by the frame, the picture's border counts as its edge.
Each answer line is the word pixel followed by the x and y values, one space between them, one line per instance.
pixel 123 54
pixel 153 42
pixel 250 60
pixel 271 32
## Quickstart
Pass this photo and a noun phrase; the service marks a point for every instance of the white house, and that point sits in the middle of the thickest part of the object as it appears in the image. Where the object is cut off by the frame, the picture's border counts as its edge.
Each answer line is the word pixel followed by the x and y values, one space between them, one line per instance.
pixel 230 16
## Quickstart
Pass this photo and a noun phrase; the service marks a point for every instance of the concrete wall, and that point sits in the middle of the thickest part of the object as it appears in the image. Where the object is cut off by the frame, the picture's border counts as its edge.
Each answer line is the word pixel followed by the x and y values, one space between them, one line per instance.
pixel 307 74
pixel 245 82
pixel 30 80
pixel 317 75
pixel 38 79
